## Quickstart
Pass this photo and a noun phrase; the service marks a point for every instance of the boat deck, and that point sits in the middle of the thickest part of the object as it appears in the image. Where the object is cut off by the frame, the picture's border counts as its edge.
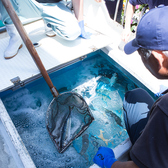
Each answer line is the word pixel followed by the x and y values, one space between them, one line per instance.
pixel 53 52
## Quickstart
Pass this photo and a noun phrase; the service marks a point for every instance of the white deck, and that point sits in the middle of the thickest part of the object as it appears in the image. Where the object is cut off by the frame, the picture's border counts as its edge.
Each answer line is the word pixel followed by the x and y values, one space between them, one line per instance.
pixel 52 51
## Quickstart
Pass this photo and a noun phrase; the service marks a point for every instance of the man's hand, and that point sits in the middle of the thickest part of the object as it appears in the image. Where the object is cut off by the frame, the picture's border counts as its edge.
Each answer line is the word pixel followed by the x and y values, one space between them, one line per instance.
pixel 129 14
pixel 104 157
pixel 98 1
pixel 126 35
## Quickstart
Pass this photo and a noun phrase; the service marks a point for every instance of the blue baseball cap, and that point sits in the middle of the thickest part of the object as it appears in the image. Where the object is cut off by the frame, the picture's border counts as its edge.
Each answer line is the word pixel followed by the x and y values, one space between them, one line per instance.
pixel 152 31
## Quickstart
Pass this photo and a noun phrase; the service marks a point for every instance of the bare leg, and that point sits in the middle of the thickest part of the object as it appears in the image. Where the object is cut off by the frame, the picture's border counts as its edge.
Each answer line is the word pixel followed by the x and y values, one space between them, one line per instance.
pixel 78 9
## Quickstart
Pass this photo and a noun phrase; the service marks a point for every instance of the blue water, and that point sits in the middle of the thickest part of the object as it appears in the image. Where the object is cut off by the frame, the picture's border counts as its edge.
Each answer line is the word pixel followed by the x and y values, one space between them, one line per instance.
pixel 101 85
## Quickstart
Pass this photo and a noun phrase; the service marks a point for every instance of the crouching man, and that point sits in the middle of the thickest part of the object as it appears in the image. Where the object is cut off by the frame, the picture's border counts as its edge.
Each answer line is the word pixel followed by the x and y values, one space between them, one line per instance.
pixel 146 121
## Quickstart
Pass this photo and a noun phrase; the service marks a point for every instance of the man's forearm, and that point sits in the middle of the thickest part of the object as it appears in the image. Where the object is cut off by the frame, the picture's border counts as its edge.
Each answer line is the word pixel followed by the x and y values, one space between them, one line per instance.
pixel 129 15
pixel 128 164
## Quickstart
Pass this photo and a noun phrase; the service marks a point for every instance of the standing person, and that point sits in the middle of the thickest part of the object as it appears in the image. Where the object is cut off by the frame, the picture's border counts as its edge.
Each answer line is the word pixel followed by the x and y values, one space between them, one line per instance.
pixel 146 121
pixel 111 7
pixel 130 11
pixel 57 16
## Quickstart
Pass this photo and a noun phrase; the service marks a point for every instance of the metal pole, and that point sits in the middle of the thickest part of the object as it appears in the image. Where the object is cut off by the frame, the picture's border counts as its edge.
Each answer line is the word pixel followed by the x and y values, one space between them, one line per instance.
pixel 116 10
pixel 123 19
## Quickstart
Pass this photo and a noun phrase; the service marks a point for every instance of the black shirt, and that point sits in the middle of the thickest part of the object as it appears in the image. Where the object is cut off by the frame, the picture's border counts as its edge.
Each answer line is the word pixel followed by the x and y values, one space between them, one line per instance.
pixel 151 148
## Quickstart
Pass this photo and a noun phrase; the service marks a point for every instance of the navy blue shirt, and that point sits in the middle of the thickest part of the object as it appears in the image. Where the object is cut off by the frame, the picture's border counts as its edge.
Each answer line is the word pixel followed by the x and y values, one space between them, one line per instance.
pixel 151 3
pixel 151 148
pixel 111 5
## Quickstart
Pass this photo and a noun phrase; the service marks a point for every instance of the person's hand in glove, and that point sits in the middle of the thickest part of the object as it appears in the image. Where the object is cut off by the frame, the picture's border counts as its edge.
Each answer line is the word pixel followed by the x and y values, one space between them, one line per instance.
pixel 85 35
pixel 104 157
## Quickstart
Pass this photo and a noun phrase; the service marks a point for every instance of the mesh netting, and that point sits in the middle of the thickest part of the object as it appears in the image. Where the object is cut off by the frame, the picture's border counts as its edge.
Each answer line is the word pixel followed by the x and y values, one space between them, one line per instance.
pixel 67 117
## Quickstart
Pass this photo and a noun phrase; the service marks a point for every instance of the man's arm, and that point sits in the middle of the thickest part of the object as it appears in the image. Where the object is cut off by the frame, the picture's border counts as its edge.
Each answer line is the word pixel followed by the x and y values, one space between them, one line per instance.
pixel 105 158
pixel 129 14
pixel 128 164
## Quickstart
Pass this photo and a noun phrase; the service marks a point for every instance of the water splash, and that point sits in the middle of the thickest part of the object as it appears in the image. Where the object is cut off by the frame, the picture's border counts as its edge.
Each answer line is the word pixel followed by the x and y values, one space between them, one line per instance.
pixel 103 88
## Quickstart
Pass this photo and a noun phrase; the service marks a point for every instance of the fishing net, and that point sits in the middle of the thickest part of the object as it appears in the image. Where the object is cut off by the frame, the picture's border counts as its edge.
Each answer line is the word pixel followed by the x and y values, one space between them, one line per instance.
pixel 68 116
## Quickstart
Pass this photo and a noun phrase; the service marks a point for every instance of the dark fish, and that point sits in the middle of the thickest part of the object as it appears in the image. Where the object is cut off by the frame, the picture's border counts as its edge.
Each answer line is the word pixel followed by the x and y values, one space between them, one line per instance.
pixel 106 72
pixel 63 89
pixel 130 86
pixel 96 141
pixel 85 144
pixel 113 115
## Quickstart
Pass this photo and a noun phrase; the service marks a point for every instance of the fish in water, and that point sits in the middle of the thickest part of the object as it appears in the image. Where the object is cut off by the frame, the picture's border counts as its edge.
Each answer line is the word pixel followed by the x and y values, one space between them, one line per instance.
pixel 96 141
pixel 113 79
pixel 106 72
pixel 85 144
pixel 113 115
pixel 104 87
pixel 63 89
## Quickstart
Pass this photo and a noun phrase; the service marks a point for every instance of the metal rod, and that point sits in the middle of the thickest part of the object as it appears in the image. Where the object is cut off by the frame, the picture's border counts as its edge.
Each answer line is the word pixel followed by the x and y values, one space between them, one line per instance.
pixel 123 19
pixel 116 10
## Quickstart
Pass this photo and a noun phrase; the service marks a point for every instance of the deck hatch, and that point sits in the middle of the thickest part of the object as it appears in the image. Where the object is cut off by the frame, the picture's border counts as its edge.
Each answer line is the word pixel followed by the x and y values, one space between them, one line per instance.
pixel 17 83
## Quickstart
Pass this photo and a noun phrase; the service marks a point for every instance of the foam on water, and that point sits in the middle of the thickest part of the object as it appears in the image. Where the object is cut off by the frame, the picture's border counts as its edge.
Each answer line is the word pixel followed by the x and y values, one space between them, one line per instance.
pixel 101 85
pixel 6 159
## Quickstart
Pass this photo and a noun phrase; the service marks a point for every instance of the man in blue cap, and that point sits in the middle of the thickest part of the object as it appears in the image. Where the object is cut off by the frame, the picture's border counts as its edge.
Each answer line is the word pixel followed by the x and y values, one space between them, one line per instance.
pixel 152 43
pixel 146 121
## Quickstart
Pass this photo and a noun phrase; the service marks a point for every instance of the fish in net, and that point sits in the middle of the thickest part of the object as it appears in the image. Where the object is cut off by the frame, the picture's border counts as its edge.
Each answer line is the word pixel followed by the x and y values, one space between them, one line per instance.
pixel 68 116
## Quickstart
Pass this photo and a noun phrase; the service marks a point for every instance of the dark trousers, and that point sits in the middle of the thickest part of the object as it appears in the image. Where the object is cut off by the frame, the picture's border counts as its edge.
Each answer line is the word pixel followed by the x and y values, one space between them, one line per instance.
pixel 137 104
